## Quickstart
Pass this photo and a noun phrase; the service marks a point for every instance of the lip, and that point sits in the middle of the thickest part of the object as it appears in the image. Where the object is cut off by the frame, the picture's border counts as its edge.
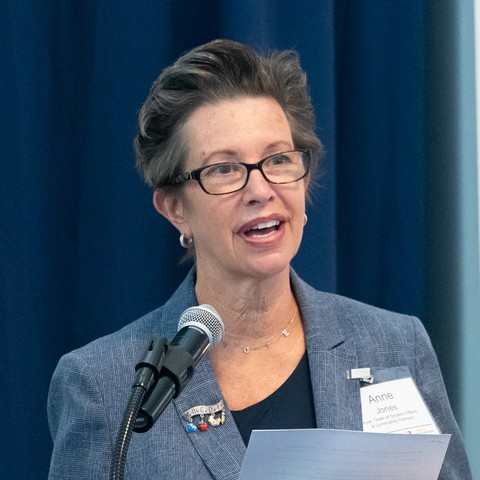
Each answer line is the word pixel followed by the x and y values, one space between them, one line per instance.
pixel 269 237
pixel 259 221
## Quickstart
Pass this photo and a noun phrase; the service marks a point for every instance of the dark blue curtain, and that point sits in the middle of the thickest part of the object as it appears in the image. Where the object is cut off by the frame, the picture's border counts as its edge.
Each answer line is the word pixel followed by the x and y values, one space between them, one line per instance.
pixel 82 250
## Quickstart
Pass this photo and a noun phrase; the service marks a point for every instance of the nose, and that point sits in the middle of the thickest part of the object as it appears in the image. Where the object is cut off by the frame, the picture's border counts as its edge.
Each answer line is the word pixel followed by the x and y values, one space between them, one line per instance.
pixel 258 189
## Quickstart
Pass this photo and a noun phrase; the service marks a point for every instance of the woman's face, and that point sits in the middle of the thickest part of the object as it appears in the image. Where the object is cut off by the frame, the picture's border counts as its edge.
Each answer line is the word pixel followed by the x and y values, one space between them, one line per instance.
pixel 231 232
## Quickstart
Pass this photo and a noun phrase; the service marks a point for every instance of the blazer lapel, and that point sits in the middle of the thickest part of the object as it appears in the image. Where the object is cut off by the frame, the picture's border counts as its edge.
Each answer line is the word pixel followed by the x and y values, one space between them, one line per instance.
pixel 330 355
pixel 221 448
pixel 336 399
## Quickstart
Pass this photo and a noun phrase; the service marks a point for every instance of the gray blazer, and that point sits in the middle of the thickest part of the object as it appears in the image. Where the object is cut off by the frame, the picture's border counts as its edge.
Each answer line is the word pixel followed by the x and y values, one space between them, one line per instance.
pixel 91 386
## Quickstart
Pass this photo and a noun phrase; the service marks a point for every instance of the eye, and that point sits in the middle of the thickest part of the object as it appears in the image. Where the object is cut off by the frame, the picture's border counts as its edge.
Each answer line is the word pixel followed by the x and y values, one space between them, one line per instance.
pixel 223 169
pixel 280 159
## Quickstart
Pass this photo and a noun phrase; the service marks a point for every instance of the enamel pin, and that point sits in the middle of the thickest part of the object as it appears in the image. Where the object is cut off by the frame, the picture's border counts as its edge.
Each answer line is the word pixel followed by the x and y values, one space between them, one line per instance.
pixel 199 418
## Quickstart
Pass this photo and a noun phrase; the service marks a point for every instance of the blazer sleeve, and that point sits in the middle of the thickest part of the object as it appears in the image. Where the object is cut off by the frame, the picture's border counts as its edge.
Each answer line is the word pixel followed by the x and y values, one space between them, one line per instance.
pixel 78 423
pixel 430 382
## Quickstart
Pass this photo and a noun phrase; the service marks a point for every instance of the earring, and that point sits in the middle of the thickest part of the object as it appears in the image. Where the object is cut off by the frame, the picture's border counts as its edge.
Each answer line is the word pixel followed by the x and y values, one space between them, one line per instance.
pixel 185 242
pixel 305 219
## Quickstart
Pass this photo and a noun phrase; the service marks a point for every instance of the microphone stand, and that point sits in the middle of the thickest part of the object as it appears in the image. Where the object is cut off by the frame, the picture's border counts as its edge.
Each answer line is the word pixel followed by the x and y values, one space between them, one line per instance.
pixel 148 370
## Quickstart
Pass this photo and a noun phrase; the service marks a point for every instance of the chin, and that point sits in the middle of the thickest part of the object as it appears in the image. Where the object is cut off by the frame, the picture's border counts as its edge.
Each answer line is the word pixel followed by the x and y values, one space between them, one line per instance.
pixel 269 266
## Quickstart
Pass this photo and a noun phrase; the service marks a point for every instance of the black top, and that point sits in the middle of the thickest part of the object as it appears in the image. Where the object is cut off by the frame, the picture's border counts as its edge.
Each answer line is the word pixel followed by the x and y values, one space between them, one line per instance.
pixel 291 406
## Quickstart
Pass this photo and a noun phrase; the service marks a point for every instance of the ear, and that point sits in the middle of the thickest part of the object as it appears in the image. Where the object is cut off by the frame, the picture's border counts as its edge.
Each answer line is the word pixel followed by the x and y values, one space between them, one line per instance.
pixel 169 204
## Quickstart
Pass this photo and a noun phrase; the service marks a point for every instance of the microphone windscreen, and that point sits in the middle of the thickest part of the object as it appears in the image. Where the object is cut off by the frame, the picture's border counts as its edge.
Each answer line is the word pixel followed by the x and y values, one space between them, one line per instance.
pixel 205 318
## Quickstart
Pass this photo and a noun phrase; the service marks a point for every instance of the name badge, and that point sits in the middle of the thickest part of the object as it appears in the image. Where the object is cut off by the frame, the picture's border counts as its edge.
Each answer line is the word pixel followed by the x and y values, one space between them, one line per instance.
pixel 395 406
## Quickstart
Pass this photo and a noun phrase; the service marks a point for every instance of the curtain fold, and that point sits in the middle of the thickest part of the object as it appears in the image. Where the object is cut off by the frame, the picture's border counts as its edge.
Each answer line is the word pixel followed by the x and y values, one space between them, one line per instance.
pixel 82 250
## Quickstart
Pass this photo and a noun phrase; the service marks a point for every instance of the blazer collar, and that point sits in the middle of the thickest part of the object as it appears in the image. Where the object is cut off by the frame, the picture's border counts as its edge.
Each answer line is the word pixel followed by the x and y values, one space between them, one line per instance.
pixel 221 448
pixel 330 354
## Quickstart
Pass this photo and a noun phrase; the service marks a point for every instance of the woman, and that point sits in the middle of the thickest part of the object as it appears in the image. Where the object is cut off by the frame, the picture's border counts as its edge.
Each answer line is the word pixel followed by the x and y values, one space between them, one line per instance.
pixel 227 141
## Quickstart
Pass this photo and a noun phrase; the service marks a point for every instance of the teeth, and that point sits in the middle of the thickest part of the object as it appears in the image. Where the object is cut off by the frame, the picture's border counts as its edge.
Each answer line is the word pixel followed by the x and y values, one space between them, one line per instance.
pixel 272 223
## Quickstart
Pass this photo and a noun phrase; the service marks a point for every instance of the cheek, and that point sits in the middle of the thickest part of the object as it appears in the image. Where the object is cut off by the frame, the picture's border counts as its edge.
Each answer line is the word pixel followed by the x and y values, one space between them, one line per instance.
pixel 207 219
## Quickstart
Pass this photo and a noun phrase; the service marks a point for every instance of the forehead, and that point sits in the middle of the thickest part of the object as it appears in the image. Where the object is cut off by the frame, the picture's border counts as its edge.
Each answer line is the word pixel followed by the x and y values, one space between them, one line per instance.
pixel 242 125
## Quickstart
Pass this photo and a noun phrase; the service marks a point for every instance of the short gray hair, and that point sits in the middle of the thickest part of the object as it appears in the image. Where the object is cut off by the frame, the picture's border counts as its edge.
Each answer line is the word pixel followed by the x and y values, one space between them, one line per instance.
pixel 219 70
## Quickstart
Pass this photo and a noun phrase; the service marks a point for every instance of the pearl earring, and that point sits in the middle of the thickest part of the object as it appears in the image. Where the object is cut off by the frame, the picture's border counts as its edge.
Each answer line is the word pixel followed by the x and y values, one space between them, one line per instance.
pixel 305 219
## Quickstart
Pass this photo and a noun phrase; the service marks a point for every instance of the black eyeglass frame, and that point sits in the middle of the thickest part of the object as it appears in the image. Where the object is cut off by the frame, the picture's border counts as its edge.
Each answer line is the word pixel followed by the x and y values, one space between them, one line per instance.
pixel 195 174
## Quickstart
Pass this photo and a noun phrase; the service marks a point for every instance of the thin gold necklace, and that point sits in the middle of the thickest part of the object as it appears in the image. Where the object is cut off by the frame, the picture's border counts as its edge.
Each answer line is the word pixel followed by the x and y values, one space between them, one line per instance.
pixel 284 333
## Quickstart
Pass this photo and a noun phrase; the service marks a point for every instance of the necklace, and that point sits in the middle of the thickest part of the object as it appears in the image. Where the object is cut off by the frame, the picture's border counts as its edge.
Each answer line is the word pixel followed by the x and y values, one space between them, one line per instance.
pixel 283 333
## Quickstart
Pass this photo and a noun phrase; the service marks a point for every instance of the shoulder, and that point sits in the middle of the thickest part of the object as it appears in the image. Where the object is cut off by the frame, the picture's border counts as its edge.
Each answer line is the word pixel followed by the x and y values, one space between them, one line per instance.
pixel 372 336
pixel 347 318
pixel 124 343
pixel 131 340
pixel 107 362
pixel 97 377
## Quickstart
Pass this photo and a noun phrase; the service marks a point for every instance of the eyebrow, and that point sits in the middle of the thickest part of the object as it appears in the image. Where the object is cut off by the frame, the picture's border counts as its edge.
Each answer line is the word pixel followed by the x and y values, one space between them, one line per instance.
pixel 281 145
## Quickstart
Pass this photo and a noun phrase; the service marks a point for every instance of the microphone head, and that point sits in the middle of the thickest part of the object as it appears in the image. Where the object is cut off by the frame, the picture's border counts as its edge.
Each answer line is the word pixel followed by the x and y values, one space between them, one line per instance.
pixel 205 318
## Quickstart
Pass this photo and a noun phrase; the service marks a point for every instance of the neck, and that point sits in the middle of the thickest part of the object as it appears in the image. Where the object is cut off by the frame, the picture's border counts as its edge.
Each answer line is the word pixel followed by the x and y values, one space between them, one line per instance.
pixel 252 310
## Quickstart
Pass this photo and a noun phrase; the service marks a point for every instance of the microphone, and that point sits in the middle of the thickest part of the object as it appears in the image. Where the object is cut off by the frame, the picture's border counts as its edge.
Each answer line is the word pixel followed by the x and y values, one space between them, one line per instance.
pixel 199 329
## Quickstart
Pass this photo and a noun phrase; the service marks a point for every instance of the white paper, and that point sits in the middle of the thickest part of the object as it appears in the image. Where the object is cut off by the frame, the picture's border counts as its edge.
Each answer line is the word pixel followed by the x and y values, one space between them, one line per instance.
pixel 342 455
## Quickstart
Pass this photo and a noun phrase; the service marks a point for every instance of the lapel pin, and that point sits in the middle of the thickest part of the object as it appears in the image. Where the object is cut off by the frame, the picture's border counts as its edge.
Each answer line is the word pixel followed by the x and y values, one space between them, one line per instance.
pixel 195 417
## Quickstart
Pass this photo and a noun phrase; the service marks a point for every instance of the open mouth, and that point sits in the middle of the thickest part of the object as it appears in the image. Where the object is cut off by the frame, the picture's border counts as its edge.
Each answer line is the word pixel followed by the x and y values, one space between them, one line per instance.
pixel 263 229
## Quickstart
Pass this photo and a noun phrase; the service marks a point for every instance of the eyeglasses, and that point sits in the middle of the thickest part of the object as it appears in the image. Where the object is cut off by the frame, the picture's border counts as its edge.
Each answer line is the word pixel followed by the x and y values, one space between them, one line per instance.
pixel 229 177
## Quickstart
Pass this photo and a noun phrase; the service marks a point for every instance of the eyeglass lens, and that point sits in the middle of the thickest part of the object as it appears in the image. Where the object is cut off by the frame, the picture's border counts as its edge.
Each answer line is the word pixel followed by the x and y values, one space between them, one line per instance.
pixel 228 177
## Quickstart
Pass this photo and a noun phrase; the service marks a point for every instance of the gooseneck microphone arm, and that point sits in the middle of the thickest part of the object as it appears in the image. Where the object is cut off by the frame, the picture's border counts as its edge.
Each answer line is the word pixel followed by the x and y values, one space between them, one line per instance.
pixel 148 370
pixel 162 373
